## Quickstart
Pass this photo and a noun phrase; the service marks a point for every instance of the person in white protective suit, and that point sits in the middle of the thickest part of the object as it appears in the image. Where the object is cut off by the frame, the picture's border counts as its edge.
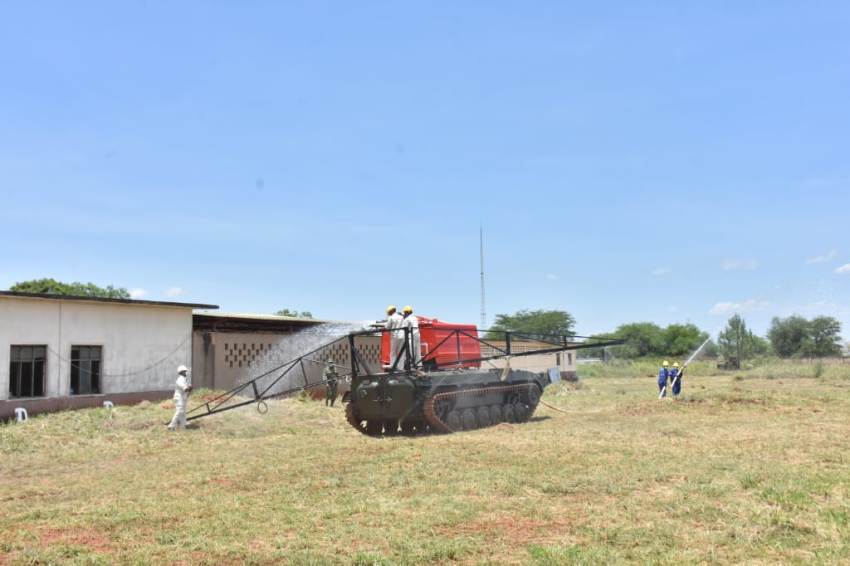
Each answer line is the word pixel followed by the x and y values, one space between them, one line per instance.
pixel 181 395
pixel 411 322
pixel 394 324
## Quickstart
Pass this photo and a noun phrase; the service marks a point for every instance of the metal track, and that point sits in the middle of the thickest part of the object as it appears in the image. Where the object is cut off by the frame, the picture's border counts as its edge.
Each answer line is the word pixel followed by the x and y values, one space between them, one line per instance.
pixel 353 419
pixel 438 424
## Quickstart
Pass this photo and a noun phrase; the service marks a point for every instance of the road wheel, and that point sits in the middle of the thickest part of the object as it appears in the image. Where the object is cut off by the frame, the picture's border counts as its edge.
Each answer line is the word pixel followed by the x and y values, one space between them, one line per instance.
pixel 391 427
pixel 453 421
pixel 533 396
pixel 374 428
pixel 353 418
pixel 408 427
pixel 520 411
pixel 495 414
pixel 468 418
pixel 483 416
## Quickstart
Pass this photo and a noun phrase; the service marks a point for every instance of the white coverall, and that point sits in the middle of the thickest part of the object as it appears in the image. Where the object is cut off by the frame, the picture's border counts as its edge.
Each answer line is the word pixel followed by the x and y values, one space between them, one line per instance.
pixel 181 396
pixel 411 322
pixel 395 322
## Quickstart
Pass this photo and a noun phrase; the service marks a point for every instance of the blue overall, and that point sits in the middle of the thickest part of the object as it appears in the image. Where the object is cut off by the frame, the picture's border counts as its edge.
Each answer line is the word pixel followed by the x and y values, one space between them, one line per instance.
pixel 662 381
pixel 677 383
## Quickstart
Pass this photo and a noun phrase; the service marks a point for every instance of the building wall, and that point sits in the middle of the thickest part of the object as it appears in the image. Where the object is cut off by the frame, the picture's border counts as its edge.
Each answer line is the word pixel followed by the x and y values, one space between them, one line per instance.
pixel 142 345
pixel 223 360
pixel 567 361
pixel 538 362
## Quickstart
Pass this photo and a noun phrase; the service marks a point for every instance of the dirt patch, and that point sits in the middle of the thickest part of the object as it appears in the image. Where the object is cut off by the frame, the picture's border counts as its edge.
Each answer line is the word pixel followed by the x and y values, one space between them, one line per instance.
pixel 90 539
pixel 638 410
pixel 512 529
pixel 743 401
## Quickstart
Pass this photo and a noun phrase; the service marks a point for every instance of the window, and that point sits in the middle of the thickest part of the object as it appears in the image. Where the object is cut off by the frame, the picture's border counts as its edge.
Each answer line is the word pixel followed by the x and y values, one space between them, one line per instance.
pixel 85 370
pixel 26 371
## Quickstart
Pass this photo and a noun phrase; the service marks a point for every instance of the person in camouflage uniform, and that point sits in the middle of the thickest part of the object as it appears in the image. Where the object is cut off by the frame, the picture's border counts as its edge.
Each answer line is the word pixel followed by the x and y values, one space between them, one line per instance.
pixel 331 379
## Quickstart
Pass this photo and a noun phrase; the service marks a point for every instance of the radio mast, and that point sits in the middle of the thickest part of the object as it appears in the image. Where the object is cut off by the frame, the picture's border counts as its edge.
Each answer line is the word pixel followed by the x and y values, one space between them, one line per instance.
pixel 483 307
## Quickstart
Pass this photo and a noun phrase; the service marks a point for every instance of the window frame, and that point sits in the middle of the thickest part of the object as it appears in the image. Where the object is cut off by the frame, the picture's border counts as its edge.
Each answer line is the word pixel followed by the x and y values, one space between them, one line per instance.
pixel 79 363
pixel 16 373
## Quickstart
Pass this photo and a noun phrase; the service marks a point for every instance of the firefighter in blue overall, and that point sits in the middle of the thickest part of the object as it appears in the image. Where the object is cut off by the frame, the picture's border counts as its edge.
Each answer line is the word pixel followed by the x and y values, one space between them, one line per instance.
pixel 663 374
pixel 677 383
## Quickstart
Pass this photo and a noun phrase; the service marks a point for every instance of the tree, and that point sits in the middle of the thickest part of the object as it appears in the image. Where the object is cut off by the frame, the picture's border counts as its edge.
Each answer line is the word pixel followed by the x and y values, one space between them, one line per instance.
pixel 737 341
pixel 53 287
pixel 294 313
pixel 825 337
pixel 641 339
pixel 533 323
pixel 682 339
pixel 787 335
pixel 797 337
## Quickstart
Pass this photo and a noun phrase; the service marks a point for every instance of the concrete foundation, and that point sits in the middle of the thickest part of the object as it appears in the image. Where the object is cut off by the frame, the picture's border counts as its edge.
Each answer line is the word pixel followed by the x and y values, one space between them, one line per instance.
pixel 34 406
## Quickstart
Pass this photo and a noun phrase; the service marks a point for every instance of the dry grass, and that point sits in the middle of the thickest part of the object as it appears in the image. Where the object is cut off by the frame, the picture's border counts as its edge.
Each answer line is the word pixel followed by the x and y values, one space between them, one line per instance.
pixel 745 468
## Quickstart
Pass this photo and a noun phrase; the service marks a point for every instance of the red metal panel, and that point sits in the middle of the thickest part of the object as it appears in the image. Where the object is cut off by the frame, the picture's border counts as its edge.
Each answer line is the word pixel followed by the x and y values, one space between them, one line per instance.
pixel 441 345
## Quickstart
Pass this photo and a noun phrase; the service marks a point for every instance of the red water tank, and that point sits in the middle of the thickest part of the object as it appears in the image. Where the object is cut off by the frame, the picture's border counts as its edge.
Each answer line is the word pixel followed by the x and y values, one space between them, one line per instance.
pixel 445 344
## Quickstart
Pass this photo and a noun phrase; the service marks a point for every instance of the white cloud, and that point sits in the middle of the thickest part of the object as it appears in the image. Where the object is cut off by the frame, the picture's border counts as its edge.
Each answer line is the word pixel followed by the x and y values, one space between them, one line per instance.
pixel 659 271
pixel 828 256
pixel 843 269
pixel 740 265
pixel 174 292
pixel 137 293
pixel 728 307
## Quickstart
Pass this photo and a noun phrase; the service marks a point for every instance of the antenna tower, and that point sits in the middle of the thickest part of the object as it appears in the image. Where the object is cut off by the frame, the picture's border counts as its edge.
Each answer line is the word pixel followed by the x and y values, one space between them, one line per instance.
pixel 483 307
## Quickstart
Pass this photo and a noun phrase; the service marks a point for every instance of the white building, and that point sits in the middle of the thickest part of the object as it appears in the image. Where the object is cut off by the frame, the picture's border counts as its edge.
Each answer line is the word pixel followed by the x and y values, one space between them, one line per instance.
pixel 60 352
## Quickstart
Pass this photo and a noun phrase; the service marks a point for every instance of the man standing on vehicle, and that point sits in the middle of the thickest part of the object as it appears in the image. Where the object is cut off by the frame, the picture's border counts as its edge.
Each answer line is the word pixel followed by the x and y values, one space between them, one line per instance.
pixel 415 345
pixel 393 326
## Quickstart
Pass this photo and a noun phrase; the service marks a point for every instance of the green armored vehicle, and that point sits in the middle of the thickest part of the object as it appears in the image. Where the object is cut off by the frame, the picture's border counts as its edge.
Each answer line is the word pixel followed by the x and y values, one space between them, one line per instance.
pixel 443 401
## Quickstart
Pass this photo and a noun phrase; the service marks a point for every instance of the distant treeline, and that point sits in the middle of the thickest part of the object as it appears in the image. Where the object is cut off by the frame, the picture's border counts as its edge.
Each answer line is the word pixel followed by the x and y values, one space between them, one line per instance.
pixel 791 337
pixel 647 339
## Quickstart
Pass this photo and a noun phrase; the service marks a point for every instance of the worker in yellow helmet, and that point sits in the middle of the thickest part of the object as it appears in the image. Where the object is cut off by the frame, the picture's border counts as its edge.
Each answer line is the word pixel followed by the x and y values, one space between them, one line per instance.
pixel 663 375
pixel 676 379
pixel 393 326
pixel 414 345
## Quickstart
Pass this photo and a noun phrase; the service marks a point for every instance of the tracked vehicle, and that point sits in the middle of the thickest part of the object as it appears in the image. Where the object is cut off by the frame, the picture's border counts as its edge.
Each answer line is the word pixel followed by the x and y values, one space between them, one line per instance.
pixel 443 401
pixel 447 379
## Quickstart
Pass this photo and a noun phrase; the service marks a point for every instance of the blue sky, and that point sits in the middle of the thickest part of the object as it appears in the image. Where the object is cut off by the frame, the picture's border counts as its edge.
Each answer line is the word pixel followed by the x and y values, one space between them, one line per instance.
pixel 629 161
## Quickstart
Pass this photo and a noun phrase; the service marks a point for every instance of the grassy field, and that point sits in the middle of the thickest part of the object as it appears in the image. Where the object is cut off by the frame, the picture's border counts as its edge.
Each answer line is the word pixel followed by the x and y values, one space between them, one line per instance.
pixel 750 466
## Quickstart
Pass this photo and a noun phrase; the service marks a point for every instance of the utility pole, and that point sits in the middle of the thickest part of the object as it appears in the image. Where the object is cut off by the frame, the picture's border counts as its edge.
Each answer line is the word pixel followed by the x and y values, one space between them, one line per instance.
pixel 483 303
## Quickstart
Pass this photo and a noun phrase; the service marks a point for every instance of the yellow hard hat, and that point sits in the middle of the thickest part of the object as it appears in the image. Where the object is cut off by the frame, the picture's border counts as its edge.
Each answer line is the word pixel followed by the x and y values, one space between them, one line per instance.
pixel 676 364
pixel 390 308
pixel 666 363
pixel 408 309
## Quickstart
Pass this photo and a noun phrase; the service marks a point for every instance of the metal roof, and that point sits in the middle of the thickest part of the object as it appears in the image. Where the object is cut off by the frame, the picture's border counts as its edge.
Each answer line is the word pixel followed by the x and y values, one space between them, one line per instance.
pixel 260 316
pixel 249 322
pixel 55 297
